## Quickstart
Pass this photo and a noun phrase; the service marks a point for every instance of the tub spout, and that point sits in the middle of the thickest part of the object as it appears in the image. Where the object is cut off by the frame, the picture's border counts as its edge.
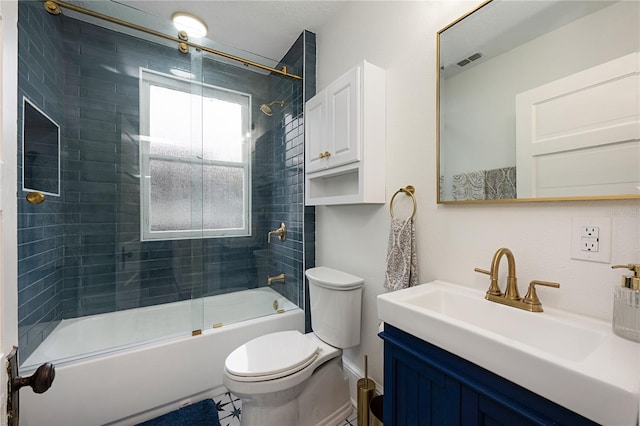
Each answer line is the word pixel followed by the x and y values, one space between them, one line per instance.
pixel 276 279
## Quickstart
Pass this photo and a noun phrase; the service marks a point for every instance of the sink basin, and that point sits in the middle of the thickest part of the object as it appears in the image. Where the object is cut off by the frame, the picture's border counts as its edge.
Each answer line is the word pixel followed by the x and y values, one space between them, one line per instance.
pixel 541 332
pixel 572 360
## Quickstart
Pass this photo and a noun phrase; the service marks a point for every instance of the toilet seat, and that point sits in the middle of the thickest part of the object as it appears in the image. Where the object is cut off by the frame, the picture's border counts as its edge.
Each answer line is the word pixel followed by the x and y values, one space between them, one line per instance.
pixel 271 356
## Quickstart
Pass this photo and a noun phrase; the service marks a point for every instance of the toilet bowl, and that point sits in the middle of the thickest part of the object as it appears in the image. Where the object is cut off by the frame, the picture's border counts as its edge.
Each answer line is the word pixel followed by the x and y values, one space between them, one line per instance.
pixel 290 378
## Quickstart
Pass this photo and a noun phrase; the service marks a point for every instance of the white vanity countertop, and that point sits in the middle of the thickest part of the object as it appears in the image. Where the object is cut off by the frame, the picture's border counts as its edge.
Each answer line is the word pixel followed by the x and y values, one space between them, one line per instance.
pixel 575 361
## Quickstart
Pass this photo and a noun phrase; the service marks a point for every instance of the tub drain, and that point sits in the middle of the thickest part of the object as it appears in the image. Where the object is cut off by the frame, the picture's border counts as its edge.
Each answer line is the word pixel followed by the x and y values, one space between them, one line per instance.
pixel 275 305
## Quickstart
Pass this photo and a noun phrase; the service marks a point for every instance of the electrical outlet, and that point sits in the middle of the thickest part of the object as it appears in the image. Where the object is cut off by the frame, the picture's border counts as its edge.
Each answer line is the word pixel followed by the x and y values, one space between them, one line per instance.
pixel 590 232
pixel 590 244
pixel 591 239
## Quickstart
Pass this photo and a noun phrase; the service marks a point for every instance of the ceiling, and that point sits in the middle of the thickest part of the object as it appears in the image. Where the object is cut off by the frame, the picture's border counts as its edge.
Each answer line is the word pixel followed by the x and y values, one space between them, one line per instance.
pixel 266 28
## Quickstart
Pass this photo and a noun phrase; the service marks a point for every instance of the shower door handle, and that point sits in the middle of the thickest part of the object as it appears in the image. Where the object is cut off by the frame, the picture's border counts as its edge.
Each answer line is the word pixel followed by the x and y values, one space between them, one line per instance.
pixel 40 381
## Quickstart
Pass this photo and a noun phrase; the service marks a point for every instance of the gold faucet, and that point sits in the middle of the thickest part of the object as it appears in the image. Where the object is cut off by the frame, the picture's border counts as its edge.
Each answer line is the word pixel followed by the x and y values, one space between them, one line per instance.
pixel 276 279
pixel 511 297
pixel 281 232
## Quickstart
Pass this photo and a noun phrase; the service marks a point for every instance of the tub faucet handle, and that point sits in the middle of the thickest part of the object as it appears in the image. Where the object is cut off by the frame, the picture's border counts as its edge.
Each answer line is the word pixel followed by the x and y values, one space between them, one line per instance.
pixel 281 232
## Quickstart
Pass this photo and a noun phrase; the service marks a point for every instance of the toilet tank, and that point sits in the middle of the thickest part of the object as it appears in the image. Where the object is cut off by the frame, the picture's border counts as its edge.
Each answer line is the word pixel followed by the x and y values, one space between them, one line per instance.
pixel 336 301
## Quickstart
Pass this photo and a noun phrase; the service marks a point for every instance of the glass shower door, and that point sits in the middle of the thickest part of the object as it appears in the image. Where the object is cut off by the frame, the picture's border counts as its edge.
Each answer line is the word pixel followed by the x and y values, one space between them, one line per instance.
pixel 171 177
pixel 172 187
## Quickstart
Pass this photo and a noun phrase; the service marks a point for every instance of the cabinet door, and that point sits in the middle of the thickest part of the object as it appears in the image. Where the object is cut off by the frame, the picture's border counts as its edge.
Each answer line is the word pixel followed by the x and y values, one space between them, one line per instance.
pixel 315 133
pixel 477 409
pixel 418 394
pixel 428 385
pixel 343 119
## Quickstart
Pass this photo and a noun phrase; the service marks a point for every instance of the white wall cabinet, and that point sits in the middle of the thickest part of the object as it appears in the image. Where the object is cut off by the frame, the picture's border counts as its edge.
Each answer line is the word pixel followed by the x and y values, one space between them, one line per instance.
pixel 345 140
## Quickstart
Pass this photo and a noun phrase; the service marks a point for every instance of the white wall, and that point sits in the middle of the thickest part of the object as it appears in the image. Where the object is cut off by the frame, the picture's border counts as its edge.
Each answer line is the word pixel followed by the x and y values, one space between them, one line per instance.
pixel 452 239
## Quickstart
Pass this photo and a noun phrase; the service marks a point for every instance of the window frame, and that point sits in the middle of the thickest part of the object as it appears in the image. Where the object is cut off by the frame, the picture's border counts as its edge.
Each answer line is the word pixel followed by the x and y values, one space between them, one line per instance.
pixel 198 91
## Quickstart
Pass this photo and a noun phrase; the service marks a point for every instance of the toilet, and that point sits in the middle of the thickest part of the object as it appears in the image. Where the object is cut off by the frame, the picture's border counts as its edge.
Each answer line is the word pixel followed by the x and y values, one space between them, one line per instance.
pixel 290 378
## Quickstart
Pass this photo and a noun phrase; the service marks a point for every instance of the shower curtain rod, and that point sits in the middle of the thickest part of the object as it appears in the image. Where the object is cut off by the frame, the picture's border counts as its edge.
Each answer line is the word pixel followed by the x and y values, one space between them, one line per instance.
pixel 53 7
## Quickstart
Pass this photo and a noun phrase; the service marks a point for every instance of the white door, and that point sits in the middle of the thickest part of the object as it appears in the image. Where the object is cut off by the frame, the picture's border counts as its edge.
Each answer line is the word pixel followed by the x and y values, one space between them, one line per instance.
pixel 580 135
pixel 8 185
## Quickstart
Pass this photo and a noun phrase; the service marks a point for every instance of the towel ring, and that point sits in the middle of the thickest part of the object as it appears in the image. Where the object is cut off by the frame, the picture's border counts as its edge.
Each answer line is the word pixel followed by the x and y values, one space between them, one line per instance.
pixel 409 190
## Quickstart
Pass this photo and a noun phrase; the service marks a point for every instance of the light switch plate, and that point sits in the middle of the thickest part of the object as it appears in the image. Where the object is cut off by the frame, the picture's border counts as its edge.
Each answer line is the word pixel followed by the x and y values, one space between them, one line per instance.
pixel 582 225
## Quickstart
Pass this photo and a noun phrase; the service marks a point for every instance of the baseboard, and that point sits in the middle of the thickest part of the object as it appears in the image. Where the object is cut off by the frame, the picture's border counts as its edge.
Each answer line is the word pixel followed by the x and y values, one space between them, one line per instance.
pixel 354 374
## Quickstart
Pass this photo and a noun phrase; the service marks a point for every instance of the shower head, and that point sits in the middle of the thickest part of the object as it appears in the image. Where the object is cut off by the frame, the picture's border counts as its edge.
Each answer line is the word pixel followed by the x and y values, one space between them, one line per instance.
pixel 266 108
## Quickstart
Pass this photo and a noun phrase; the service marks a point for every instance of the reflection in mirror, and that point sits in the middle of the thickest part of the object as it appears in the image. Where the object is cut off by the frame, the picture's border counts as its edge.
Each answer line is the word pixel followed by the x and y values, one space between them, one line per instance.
pixel 540 100
pixel 40 151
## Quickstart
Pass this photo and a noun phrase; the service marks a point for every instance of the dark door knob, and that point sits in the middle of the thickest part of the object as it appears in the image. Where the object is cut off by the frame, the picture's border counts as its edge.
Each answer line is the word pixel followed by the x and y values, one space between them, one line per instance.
pixel 39 381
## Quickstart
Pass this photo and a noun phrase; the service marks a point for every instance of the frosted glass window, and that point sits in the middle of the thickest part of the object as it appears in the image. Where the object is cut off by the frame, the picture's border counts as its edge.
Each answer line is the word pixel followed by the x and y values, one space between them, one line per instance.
pixel 224 189
pixel 194 155
pixel 171 190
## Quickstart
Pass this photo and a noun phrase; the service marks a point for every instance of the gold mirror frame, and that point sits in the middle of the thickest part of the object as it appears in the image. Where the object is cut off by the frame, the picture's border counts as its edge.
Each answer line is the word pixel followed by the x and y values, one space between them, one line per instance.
pixel 504 200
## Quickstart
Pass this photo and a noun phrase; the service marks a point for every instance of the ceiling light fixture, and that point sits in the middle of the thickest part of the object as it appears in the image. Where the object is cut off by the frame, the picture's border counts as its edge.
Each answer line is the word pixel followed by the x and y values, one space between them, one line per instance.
pixel 189 23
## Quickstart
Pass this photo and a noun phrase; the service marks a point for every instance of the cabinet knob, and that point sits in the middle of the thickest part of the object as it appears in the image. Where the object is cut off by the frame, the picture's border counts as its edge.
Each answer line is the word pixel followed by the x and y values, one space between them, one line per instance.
pixel 325 154
pixel 322 155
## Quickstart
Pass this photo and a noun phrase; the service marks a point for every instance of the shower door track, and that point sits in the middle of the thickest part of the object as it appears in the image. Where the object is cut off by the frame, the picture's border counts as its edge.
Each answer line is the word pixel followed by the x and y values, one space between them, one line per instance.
pixel 53 7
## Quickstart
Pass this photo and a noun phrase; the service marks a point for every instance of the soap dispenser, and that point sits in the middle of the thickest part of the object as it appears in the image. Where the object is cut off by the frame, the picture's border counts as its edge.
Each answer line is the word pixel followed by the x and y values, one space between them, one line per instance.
pixel 626 305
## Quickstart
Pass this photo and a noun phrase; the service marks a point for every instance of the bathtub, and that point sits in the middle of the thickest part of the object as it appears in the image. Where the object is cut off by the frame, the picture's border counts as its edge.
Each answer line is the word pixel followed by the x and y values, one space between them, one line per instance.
pixel 119 381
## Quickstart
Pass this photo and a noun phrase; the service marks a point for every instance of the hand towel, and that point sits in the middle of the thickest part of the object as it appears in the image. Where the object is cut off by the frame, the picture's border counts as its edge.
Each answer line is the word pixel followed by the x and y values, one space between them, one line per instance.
pixel 500 183
pixel 469 186
pixel 402 262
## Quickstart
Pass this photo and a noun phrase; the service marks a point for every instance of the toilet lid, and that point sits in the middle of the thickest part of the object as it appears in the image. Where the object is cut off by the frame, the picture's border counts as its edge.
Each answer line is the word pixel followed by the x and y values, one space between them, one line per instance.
pixel 272 356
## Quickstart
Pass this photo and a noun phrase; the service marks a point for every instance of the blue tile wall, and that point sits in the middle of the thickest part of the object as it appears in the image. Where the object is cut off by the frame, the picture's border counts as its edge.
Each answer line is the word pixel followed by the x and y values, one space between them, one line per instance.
pixel 287 202
pixel 40 227
pixel 82 254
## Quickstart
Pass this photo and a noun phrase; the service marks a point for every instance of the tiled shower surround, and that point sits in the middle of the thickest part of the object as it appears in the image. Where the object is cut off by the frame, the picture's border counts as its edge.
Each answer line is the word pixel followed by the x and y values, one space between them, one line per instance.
pixel 80 253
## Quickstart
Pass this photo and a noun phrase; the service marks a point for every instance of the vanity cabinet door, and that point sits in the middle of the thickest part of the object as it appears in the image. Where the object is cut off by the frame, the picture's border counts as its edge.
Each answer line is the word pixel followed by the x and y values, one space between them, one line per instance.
pixel 426 385
pixel 477 409
pixel 418 394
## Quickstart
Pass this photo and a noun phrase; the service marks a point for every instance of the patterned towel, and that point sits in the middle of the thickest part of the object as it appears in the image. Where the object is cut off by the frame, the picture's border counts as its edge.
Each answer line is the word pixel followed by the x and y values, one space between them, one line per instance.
pixel 500 183
pixel 469 186
pixel 491 184
pixel 402 262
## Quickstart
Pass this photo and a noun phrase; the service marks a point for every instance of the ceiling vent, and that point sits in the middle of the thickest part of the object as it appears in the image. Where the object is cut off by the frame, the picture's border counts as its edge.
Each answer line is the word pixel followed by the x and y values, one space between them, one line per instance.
pixel 470 59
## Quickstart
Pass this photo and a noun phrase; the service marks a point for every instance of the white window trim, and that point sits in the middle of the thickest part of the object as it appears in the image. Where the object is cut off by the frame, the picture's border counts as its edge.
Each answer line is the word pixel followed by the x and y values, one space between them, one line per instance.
pixel 146 78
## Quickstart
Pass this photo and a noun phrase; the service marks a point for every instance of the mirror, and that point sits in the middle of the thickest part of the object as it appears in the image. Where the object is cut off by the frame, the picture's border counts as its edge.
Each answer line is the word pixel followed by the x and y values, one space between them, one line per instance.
pixel 539 100
pixel 40 151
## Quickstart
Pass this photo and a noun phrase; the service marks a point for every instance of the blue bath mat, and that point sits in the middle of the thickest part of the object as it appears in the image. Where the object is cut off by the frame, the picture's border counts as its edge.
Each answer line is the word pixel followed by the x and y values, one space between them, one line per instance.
pixel 203 413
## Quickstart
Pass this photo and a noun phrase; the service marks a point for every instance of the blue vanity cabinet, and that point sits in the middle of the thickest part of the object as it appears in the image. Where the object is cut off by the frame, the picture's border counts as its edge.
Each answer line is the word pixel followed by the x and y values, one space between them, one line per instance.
pixel 426 385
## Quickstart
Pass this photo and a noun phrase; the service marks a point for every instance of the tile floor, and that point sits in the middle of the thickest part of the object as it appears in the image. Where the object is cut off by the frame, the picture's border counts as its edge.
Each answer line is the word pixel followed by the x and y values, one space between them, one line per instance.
pixel 230 410
pixel 352 420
